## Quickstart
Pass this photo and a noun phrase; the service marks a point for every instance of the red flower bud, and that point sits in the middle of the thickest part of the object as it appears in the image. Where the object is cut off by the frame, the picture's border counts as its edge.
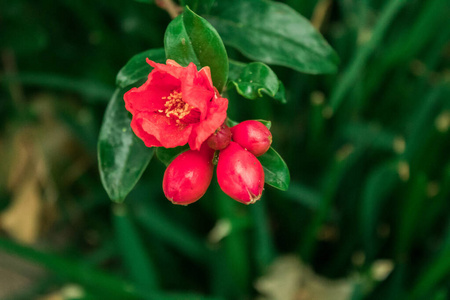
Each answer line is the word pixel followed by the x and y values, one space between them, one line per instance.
pixel 253 136
pixel 188 176
pixel 220 138
pixel 240 174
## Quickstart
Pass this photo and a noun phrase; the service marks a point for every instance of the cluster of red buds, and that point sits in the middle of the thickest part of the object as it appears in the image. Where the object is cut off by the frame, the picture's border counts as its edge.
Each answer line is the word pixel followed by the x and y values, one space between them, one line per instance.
pixel 239 173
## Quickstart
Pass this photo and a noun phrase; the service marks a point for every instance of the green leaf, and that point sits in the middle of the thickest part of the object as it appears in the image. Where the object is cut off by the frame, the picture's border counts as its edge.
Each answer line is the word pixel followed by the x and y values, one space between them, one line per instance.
pixel 305 195
pixel 199 6
pixel 375 193
pixel 254 79
pixel 122 156
pixel 171 231
pixel 281 94
pixel 137 68
pixel 235 69
pixel 166 155
pixel 23 38
pixel 75 270
pixel 362 54
pixel 274 33
pixel 86 87
pixel 369 134
pixel 190 38
pixel 276 171
pixel 262 236
pixel 132 249
pixel 231 123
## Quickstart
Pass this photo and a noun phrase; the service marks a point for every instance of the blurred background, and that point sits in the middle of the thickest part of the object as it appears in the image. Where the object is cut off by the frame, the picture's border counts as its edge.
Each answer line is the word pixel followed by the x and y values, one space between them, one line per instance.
pixel 367 214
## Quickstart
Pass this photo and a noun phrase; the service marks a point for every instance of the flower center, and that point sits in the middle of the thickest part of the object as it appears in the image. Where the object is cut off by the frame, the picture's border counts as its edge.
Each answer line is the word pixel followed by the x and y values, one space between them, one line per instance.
pixel 176 108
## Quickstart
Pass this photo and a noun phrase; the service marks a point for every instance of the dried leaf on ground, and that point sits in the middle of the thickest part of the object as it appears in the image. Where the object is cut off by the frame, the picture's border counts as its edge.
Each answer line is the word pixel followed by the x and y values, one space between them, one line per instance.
pixel 289 279
pixel 32 193
pixel 21 219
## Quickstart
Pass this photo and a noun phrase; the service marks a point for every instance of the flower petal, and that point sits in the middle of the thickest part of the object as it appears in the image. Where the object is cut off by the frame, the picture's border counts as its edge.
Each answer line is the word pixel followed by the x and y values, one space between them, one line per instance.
pixel 171 62
pixel 217 114
pixel 205 72
pixel 172 69
pixel 148 139
pixel 196 90
pixel 165 130
pixel 149 96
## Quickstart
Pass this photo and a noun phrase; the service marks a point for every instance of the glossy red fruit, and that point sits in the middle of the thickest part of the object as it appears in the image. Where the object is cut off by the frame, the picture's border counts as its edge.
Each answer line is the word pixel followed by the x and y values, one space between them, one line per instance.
pixel 240 174
pixel 220 138
pixel 253 136
pixel 188 176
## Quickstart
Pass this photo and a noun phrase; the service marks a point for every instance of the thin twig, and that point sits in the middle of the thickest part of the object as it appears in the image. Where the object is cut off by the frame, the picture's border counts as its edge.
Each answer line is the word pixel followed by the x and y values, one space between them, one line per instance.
pixel 320 13
pixel 171 7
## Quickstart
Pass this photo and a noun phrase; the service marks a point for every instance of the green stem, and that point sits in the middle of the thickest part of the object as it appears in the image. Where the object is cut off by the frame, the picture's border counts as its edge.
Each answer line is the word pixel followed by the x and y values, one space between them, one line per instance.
pixel 340 165
pixel 76 271
pixel 435 273
pixel 133 252
pixel 264 249
pixel 235 243
pixel 357 64
pixel 156 223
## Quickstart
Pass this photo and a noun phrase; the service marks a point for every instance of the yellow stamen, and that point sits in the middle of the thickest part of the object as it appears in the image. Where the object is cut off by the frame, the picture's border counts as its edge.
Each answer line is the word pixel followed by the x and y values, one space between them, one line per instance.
pixel 175 106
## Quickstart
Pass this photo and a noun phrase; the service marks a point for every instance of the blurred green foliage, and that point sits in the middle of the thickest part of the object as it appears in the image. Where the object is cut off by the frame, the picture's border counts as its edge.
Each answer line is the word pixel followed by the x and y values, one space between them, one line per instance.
pixel 368 150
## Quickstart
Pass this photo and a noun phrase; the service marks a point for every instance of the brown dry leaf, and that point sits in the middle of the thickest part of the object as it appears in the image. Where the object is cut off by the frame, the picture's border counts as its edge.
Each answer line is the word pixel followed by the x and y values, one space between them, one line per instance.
pixel 21 219
pixel 289 279
pixel 27 179
pixel 38 161
pixel 3 164
pixel 17 275
pixel 65 158
pixel 70 291
pixel 21 157
pixel 381 269
pixel 53 296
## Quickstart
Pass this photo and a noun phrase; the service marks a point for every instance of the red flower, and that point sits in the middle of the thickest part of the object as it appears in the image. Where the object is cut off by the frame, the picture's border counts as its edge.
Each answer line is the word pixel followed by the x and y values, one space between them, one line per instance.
pixel 175 106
